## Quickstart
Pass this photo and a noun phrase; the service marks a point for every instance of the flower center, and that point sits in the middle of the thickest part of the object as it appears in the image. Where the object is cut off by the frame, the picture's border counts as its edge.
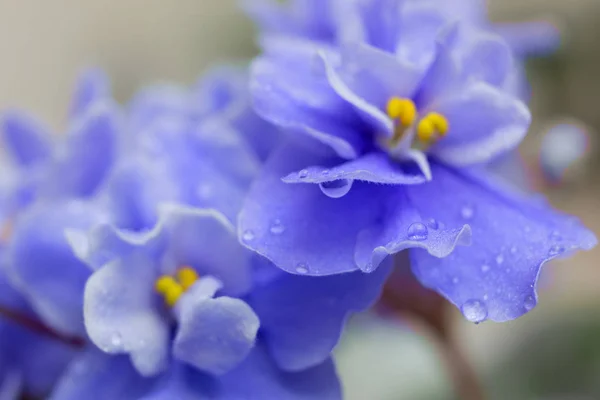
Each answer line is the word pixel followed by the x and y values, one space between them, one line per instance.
pixel 429 129
pixel 171 288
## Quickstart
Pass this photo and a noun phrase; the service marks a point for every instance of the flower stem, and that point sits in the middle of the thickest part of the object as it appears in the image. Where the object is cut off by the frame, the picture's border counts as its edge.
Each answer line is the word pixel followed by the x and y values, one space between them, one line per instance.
pixel 40 328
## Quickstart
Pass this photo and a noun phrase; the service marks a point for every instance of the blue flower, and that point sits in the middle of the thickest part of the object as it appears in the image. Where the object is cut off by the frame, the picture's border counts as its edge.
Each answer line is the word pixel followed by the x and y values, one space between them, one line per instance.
pixel 52 187
pixel 97 376
pixel 29 363
pixel 328 20
pixel 187 289
pixel 389 131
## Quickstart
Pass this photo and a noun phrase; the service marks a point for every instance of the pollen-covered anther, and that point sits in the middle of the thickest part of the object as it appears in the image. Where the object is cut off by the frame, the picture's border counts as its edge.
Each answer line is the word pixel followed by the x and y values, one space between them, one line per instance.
pixel 404 113
pixel 172 289
pixel 187 277
pixel 433 127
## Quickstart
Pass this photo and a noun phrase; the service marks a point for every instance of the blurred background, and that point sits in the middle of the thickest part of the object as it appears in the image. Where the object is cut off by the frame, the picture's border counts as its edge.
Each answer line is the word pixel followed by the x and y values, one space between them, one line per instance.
pixel 551 353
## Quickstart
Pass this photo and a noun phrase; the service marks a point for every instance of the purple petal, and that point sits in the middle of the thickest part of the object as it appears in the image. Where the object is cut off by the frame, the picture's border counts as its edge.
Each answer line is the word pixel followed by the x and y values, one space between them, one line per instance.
pixel 367 78
pixel 513 237
pixel 373 167
pixel 484 122
pixel 98 376
pixel 291 97
pixel 214 335
pixel 43 266
pixel 121 313
pixel 256 378
pixel 92 85
pixel 302 317
pixel 89 153
pixel 303 231
pixel 27 141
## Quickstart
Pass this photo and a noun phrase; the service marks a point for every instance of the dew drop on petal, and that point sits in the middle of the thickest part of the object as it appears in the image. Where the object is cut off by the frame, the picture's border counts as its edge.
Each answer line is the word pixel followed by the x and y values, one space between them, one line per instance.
pixel 555 236
pixel 474 311
pixel 248 235
pixel 556 250
pixel 467 212
pixel 455 280
pixel 433 224
pixel 302 268
pixel 485 268
pixel 499 259
pixel 336 189
pixel 417 231
pixel 529 303
pixel 303 174
pixel 277 227
pixel 116 340
pixel 513 250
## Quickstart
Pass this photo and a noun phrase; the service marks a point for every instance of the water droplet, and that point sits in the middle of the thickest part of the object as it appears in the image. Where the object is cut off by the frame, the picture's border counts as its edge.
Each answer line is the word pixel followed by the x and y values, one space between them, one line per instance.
pixel 204 191
pixel 433 224
pixel 248 235
pixel 467 212
pixel 302 268
pixel 325 172
pixel 417 231
pixel 556 250
pixel 455 280
pixel 529 303
pixel 513 250
pixel 474 311
pixel 336 189
pixel 116 340
pixel 485 268
pixel 499 259
pixel 277 227
pixel 303 174
pixel 485 297
pixel 527 229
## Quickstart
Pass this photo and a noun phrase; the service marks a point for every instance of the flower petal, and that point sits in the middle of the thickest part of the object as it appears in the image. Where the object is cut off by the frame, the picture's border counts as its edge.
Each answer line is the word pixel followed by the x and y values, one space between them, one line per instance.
pixel 43 266
pixel 513 237
pixel 292 97
pixel 121 313
pixel 302 317
pixel 97 376
pixel 373 167
pixel 367 78
pixel 27 141
pixel 484 123
pixel 256 378
pixel 89 153
pixel 530 38
pixel 93 85
pixel 303 231
pixel 214 335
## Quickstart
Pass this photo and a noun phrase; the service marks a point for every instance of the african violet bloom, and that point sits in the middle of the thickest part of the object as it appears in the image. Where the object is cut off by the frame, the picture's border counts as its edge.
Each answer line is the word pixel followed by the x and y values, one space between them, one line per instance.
pixel 29 363
pixel 327 20
pixel 389 132
pixel 188 290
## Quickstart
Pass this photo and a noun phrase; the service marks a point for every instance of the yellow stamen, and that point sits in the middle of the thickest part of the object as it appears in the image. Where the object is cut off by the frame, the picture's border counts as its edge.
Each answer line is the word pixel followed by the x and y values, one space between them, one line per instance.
pixel 187 277
pixel 173 294
pixel 432 127
pixel 163 284
pixel 403 110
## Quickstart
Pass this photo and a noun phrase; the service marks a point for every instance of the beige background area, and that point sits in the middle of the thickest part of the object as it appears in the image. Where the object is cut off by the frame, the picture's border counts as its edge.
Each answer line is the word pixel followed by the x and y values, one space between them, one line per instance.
pixel 44 43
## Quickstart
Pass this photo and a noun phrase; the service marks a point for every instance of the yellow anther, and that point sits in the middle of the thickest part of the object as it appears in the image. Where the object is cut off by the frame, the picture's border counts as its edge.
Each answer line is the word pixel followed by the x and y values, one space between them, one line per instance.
pixel 164 283
pixel 173 294
pixel 432 127
pixel 403 110
pixel 426 130
pixel 187 277
pixel 440 122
